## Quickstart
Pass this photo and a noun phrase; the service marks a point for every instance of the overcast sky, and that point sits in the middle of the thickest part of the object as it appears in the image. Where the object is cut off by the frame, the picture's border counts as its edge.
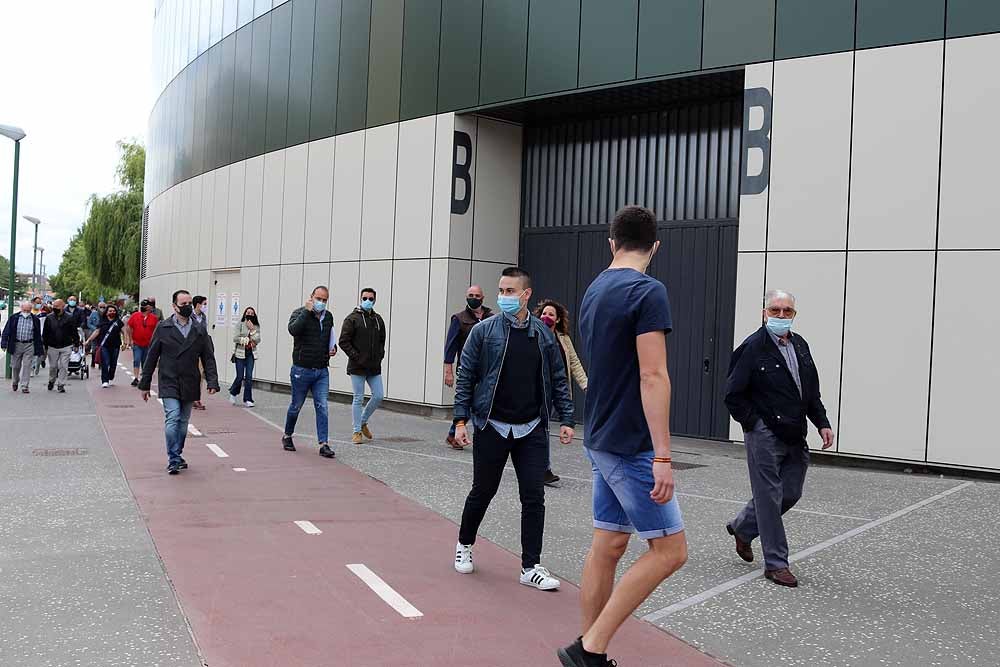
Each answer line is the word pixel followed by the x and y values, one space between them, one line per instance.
pixel 75 76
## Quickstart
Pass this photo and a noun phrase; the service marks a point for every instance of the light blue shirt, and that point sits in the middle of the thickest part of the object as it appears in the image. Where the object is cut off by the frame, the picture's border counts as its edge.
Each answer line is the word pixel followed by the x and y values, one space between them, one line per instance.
pixel 185 329
pixel 518 430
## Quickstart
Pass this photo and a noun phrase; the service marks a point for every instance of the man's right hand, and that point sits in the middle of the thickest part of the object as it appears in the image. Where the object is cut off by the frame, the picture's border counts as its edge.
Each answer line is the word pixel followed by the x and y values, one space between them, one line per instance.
pixel 309 305
pixel 663 483
pixel 462 435
pixel 145 396
pixel 449 376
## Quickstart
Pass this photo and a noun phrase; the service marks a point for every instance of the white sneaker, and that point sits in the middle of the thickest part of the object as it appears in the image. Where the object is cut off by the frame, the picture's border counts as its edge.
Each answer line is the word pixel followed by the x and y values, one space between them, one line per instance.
pixel 111 383
pixel 463 559
pixel 232 399
pixel 540 578
pixel 249 404
pixel 104 385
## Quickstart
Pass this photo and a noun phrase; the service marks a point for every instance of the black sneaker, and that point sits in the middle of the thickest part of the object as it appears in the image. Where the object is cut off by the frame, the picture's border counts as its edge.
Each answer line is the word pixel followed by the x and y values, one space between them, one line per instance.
pixel 575 655
pixel 61 389
pixel 173 468
pixel 286 441
pixel 182 464
pixel 135 382
pixel 51 385
pixel 326 452
pixel 550 478
pixel 15 386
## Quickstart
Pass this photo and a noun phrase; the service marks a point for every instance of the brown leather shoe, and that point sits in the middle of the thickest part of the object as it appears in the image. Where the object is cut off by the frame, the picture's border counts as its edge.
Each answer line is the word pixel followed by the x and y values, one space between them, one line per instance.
pixel 782 577
pixel 743 549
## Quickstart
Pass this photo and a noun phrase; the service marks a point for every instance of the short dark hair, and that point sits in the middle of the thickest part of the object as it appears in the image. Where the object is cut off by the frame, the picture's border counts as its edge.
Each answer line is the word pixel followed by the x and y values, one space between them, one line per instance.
pixel 198 300
pixel 369 290
pixel 324 287
pixel 178 293
pixel 634 229
pixel 517 272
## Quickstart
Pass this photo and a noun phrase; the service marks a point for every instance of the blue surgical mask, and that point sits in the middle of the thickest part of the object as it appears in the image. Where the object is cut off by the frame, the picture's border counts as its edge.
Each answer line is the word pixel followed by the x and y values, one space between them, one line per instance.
pixel 778 326
pixel 367 304
pixel 509 304
pixel 72 302
pixel 319 306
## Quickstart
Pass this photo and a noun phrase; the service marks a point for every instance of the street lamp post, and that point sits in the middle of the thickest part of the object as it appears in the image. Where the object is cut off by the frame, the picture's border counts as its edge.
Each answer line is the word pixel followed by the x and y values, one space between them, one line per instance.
pixel 41 272
pixel 15 134
pixel 34 279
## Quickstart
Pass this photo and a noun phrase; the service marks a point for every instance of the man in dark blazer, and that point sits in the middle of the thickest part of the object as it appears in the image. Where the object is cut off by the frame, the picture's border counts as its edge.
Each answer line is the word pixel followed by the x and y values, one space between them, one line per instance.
pixel 22 338
pixel 773 388
pixel 178 345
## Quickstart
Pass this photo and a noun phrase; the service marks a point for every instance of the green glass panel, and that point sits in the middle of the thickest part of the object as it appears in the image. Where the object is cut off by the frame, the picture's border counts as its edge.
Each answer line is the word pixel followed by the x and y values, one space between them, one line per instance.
pixel 973 17
pixel 421 50
pixel 257 124
pixel 738 32
pixel 505 40
pixel 326 66
pixel 553 46
pixel 890 22
pixel 352 88
pixel 813 27
pixel 384 62
pixel 277 77
pixel 461 38
pixel 608 38
pixel 669 36
pixel 300 71
pixel 198 118
pixel 214 60
pixel 224 124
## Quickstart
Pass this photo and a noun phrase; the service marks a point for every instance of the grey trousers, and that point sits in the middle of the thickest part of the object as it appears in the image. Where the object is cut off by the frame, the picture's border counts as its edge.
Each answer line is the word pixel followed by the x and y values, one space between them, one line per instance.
pixel 20 363
pixel 777 473
pixel 59 364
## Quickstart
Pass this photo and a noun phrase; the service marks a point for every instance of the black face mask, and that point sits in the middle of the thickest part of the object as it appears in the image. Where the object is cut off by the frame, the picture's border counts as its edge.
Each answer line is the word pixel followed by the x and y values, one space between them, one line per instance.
pixel 474 303
pixel 185 310
pixel 251 318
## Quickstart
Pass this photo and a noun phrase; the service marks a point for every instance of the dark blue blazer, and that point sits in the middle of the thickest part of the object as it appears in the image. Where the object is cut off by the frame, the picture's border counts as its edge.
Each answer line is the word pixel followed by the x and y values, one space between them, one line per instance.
pixel 760 386
pixel 9 341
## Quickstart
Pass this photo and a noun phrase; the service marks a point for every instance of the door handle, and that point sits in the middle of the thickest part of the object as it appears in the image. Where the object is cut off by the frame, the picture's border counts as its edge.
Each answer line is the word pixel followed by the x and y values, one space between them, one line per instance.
pixel 707 365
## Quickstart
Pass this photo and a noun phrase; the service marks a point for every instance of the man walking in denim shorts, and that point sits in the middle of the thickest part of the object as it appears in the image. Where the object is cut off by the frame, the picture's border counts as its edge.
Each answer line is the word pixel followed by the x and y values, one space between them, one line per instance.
pixel 624 320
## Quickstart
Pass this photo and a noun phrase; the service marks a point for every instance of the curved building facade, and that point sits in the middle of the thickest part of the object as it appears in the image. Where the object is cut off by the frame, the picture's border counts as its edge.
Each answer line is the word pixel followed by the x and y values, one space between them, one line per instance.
pixel 840 149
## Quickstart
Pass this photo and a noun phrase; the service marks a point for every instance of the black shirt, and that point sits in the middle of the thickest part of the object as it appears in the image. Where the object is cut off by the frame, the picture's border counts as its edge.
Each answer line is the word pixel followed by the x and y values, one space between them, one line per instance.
pixel 518 398
pixel 111 333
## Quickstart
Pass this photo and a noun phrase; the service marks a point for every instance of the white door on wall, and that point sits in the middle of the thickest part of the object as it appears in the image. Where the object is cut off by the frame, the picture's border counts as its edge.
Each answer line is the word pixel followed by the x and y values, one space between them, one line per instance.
pixel 224 314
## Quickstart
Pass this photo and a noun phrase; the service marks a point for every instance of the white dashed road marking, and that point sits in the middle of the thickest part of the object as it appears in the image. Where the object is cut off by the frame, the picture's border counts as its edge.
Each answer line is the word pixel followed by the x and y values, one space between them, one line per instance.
pixel 385 591
pixel 308 528
pixel 239 469
pixel 218 451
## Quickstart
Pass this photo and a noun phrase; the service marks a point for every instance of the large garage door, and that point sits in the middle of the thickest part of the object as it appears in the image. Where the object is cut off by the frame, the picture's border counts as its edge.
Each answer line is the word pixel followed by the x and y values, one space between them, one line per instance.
pixel 682 163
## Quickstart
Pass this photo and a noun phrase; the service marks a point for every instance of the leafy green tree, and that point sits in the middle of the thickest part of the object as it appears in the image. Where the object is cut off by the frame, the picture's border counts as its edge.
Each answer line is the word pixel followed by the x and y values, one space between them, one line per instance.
pixel 75 276
pixel 20 287
pixel 112 235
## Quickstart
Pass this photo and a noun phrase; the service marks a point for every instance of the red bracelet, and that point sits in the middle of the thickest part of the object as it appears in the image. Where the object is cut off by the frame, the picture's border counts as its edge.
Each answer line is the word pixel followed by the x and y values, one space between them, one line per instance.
pixel 661 459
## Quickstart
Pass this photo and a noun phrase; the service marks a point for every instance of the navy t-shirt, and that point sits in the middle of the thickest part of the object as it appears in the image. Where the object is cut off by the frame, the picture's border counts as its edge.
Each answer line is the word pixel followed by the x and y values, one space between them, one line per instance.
pixel 619 305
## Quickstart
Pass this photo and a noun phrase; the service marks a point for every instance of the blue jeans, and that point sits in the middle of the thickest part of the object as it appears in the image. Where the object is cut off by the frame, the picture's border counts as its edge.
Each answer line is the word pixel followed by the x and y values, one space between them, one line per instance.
pixel 318 381
pixel 621 496
pixel 109 362
pixel 244 377
pixel 358 415
pixel 139 355
pixel 176 414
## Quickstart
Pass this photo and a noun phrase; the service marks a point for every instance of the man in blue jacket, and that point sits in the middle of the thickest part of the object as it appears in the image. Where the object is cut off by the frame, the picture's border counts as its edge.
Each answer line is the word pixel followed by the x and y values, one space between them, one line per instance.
pixel 22 338
pixel 510 373
pixel 773 388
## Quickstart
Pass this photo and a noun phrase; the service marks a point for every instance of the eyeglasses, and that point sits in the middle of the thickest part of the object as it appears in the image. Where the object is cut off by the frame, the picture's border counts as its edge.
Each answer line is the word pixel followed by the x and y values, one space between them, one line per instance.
pixel 775 312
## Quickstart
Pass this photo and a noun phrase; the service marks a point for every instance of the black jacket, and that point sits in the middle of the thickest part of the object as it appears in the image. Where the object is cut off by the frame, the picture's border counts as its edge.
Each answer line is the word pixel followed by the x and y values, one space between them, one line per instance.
pixel 362 338
pixel 311 338
pixel 178 357
pixel 9 341
pixel 61 330
pixel 760 386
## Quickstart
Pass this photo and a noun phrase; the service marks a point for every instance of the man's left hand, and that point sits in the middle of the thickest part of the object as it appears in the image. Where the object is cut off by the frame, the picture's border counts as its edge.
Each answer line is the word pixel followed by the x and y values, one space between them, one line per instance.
pixel 565 435
pixel 333 352
pixel 212 391
pixel 827 435
pixel 145 396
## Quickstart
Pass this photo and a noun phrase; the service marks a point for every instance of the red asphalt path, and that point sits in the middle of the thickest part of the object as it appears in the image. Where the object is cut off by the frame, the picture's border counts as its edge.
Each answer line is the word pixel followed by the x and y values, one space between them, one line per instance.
pixel 258 591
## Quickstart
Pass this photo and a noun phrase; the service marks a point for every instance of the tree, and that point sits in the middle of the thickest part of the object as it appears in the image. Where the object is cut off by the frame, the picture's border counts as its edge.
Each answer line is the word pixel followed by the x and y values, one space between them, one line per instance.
pixel 20 287
pixel 112 235
pixel 75 276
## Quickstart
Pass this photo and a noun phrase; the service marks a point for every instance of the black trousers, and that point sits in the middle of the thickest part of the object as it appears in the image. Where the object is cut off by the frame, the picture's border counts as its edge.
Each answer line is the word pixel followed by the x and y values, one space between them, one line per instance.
pixel 530 457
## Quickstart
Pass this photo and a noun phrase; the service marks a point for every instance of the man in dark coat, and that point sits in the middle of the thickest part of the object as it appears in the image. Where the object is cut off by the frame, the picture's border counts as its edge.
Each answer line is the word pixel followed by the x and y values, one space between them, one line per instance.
pixel 22 338
pixel 458 331
pixel 177 347
pixel 362 338
pixel 773 387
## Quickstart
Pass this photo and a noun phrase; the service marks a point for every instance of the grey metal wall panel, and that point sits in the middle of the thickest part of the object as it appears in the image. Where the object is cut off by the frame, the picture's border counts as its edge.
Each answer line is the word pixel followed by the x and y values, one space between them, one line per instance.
pixel 887 22
pixel 385 62
pixel 421 55
pixel 738 32
pixel 669 36
pixel 352 88
pixel 326 69
pixel 214 91
pixel 261 50
pixel 505 39
pixel 973 17
pixel 277 77
pixel 553 46
pixel 813 27
pixel 300 70
pixel 224 121
pixel 241 92
pixel 461 41
pixel 608 37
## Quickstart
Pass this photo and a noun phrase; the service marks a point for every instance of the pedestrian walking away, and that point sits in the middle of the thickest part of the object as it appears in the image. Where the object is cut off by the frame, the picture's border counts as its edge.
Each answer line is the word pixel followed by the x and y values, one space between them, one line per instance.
pixel 60 333
pixel 139 334
pixel 22 339
pixel 362 338
pixel 109 341
pixel 177 348
pixel 624 321
pixel 511 376
pixel 198 304
pixel 314 344
pixel 93 324
pixel 458 332
pixel 773 387
pixel 555 316
pixel 246 340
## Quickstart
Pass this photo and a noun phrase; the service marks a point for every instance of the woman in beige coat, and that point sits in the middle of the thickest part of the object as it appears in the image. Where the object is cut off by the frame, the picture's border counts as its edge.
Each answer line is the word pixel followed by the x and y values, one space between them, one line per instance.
pixel 246 338
pixel 556 318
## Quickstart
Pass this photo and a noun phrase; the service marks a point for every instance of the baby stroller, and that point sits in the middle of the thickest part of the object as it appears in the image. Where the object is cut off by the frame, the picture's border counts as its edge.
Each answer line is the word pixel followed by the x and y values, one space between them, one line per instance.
pixel 78 363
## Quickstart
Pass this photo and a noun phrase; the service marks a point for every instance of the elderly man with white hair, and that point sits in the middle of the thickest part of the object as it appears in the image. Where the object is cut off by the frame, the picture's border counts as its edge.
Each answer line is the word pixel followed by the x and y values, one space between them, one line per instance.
pixel 773 388
pixel 22 338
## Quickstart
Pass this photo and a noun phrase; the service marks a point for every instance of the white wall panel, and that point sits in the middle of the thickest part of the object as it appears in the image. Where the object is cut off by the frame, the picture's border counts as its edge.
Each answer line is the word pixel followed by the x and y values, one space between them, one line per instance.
pixel 887 354
pixel 252 210
pixel 271 211
pixel 344 287
pixel 220 217
pixel 250 296
pixel 817 281
pixel 487 276
pixel 174 261
pixel 348 184
pixel 293 214
pixel 319 200
pixel 497 227
pixel 448 281
pixel 379 193
pixel 964 387
pixel 234 218
pixel 894 154
pixel 290 296
pixel 378 276
pixel 206 224
pixel 460 234
pixel 753 208
pixel 749 300
pixel 444 143
pixel 811 153
pixel 272 324
pixel 414 189
pixel 970 207
pixel 411 282
pixel 314 275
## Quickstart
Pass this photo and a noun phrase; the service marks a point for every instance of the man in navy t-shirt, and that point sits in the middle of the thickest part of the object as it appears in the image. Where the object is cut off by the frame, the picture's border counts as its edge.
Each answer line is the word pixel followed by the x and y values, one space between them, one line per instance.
pixel 624 320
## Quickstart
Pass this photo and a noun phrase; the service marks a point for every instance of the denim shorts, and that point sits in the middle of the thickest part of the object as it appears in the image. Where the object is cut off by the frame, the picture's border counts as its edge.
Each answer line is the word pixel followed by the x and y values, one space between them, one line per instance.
pixel 621 496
